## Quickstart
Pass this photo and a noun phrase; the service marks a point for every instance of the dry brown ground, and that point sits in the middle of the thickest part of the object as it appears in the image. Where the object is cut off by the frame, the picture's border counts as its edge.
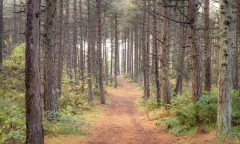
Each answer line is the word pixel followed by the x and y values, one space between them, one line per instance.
pixel 122 123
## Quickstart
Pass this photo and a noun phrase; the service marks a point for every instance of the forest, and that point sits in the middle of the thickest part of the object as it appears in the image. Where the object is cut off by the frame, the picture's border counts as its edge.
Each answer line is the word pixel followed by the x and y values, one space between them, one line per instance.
pixel 119 71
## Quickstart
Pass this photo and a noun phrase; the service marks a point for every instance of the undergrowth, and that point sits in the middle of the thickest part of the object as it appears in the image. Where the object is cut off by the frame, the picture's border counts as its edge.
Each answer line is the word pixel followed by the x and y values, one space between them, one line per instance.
pixel 200 116
pixel 72 103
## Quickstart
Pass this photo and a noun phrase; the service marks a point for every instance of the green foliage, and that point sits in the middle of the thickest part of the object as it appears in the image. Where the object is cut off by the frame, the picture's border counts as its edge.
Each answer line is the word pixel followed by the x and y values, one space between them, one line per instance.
pixel 148 105
pixel 189 115
pixel 17 59
pixel 12 93
pixel 12 103
pixel 236 108
pixel 64 125
pixel 12 118
pixel 206 109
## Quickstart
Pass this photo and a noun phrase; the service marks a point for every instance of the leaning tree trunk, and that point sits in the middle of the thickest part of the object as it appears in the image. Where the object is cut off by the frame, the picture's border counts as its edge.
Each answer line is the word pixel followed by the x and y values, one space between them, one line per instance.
pixel 225 71
pixel 34 127
pixel 195 53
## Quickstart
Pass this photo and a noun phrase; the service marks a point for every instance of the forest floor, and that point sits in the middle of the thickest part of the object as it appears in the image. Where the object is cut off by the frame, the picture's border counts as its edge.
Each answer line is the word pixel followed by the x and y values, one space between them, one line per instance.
pixel 122 123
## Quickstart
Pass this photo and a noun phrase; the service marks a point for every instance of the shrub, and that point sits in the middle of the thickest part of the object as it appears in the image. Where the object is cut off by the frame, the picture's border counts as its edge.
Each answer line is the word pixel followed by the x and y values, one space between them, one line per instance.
pixel 236 108
pixel 188 114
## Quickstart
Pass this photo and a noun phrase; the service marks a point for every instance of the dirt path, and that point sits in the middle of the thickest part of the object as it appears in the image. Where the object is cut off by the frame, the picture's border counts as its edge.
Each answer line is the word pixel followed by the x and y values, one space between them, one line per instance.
pixel 123 124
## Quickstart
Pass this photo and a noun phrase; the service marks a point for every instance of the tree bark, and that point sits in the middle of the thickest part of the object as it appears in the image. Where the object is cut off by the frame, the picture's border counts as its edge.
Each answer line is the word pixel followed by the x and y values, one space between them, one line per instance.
pixel 166 92
pixel 50 92
pixel 82 63
pixel 116 51
pixel 1 32
pixel 99 44
pixel 60 51
pixel 75 51
pixel 195 53
pixel 156 53
pixel 34 127
pixel 225 72
pixel 136 73
pixel 236 52
pixel 89 78
pixel 207 48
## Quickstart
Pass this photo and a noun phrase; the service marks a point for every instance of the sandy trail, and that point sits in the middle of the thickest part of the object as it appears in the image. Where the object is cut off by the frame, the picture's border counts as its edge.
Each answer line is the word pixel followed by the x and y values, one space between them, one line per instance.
pixel 123 124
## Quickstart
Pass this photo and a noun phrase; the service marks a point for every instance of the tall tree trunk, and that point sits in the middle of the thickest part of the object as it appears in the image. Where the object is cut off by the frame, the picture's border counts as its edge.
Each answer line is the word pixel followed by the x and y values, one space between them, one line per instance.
pixel 15 29
pixel 166 92
pixel 60 51
pixel 1 32
pixel 34 127
pixel 99 40
pixel 145 54
pixel 236 52
pixel 75 51
pixel 195 53
pixel 50 91
pixel 116 51
pixel 136 53
pixel 89 69
pixel 207 48
pixel 68 45
pixel 131 53
pixel 156 53
pixel 82 63
pixel 106 49
pixel 225 72
pixel 181 55
pixel 111 51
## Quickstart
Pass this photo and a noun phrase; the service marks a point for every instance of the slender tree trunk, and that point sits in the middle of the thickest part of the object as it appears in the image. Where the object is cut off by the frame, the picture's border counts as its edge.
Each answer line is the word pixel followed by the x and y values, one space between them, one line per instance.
pixel 116 51
pixel 156 53
pixel 236 52
pixel 34 127
pixel 195 53
pixel 50 92
pixel 225 72
pixel 180 62
pixel 106 51
pixel 136 53
pixel 60 51
pixel 166 93
pixel 15 33
pixel 75 51
pixel 89 78
pixel 207 48
pixel 68 45
pixel 111 51
pixel 131 54
pixel 1 32
pixel 100 51
pixel 145 54
pixel 82 63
